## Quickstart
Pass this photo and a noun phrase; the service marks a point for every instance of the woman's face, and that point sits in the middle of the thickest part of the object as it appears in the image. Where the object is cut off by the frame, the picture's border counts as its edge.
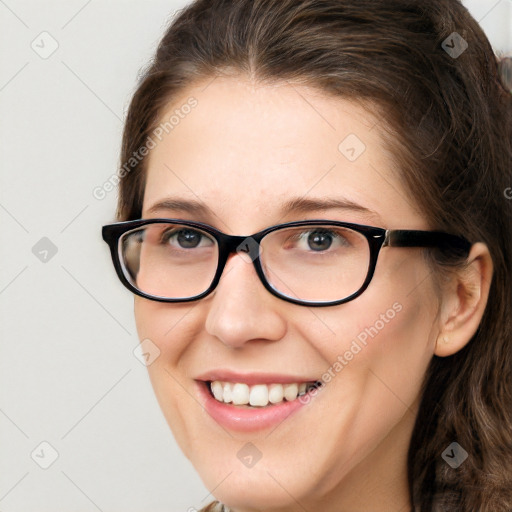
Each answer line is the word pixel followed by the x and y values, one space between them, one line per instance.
pixel 243 152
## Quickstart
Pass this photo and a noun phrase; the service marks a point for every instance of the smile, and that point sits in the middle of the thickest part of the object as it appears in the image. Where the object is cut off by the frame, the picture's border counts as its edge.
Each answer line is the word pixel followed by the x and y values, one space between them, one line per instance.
pixel 258 395
pixel 253 401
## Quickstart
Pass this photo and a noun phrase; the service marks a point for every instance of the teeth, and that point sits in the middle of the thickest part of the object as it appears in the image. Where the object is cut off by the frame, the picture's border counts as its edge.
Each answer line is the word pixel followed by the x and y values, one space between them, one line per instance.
pixel 258 395
pixel 218 390
pixel 240 394
pixel 275 393
pixel 290 391
pixel 227 392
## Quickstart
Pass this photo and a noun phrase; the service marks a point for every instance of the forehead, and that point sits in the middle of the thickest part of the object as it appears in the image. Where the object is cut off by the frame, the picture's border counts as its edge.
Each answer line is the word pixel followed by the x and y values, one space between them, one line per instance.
pixel 244 150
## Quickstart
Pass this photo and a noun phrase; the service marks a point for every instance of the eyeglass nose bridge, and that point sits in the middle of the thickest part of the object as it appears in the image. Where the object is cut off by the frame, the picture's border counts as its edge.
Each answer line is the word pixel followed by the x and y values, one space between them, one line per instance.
pixel 247 246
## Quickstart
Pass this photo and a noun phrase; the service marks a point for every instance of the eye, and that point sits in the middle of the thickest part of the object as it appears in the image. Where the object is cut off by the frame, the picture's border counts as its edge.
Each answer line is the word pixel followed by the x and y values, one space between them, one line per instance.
pixel 319 240
pixel 186 238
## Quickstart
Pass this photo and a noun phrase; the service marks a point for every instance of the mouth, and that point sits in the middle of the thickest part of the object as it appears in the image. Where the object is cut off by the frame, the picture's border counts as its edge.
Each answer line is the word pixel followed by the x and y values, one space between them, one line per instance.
pixel 253 401
pixel 262 395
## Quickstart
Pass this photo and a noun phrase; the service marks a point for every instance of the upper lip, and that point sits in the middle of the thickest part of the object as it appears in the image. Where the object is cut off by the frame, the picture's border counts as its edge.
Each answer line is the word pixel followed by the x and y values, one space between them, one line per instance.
pixel 252 378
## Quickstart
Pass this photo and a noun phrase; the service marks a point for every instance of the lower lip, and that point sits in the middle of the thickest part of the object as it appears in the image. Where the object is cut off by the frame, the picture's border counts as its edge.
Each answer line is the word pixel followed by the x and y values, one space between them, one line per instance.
pixel 244 419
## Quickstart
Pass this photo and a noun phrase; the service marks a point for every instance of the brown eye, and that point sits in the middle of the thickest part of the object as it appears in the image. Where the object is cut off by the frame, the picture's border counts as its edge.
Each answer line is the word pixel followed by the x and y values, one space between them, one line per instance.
pixel 319 241
pixel 185 238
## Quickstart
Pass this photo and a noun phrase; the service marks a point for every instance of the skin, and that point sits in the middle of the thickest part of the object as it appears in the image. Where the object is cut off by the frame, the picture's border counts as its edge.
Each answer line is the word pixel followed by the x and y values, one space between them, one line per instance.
pixel 242 152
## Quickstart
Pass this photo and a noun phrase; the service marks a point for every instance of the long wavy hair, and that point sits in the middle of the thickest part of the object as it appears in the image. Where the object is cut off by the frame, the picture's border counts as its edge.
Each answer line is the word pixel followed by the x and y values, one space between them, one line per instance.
pixel 429 72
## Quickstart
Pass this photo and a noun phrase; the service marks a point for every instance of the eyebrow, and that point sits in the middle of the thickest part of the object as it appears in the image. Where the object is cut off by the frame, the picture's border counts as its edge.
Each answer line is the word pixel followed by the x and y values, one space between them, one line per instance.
pixel 189 206
pixel 303 205
pixel 295 205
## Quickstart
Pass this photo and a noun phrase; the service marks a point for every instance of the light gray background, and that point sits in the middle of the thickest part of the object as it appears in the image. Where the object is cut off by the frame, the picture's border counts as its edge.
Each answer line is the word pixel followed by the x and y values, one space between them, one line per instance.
pixel 68 375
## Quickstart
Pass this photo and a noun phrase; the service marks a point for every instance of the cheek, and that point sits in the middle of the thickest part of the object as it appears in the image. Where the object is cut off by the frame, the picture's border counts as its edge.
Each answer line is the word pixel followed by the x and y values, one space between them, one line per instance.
pixel 376 360
pixel 166 325
pixel 379 345
pixel 393 320
pixel 168 331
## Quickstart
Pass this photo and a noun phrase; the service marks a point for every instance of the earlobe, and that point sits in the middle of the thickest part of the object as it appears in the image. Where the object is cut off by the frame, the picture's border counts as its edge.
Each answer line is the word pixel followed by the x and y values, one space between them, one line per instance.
pixel 464 301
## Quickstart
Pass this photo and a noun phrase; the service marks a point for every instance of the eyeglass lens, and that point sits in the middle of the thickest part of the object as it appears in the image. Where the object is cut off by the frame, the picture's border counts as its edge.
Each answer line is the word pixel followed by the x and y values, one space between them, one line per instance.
pixel 311 263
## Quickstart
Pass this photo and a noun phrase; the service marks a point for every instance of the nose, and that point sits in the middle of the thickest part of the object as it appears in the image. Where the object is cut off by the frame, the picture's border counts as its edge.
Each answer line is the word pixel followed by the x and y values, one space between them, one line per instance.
pixel 241 309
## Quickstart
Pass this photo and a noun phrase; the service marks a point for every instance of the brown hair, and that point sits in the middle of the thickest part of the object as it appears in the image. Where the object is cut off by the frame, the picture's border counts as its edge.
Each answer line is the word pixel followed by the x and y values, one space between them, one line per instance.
pixel 448 124
pixel 506 72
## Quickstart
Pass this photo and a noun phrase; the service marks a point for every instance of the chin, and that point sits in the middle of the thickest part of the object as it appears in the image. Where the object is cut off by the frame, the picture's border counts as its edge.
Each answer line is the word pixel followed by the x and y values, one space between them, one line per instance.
pixel 273 482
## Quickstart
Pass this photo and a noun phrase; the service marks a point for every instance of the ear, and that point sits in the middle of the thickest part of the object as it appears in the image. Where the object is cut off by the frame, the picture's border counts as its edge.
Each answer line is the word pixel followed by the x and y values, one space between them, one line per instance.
pixel 463 302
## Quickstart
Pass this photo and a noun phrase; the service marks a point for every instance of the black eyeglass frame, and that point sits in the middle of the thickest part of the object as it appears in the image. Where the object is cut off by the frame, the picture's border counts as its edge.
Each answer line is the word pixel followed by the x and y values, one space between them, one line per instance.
pixel 227 244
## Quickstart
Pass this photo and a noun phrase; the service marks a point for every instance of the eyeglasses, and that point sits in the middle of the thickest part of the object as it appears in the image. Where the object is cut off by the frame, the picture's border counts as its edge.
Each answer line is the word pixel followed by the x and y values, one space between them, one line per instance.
pixel 310 263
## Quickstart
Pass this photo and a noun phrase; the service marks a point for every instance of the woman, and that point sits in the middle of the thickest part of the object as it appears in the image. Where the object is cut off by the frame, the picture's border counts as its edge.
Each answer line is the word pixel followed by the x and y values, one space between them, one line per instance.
pixel 324 258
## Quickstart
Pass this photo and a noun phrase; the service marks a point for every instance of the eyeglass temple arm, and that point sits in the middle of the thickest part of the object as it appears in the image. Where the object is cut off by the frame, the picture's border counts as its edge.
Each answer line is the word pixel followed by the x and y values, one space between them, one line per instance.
pixel 439 239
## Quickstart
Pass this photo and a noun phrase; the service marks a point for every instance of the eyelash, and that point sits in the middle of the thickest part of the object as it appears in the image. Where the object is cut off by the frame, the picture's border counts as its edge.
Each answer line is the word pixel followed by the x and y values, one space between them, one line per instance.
pixel 299 236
